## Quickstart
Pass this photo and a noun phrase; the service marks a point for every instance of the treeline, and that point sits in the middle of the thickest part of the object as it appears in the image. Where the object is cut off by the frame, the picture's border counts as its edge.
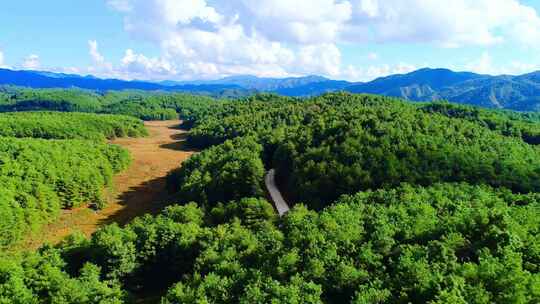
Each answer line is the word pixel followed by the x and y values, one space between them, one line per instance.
pixel 67 100
pixel 58 125
pixel 448 243
pixel 522 125
pixel 143 105
pixel 40 177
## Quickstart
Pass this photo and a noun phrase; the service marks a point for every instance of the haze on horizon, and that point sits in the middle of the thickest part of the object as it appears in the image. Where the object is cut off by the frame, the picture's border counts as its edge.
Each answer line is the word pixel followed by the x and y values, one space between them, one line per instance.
pixel 356 40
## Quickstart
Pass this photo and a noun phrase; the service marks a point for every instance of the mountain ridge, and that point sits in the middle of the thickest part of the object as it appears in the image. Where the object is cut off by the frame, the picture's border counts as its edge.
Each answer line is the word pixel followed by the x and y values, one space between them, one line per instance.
pixel 519 92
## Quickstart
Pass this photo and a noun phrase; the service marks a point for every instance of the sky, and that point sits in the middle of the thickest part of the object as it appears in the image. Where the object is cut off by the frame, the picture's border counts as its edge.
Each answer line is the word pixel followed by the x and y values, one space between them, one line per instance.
pixel 356 40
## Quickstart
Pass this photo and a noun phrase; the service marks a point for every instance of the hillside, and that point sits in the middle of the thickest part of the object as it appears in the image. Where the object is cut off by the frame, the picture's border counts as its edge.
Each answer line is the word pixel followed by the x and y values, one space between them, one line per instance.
pixel 256 83
pixel 391 202
pixel 431 79
pixel 521 93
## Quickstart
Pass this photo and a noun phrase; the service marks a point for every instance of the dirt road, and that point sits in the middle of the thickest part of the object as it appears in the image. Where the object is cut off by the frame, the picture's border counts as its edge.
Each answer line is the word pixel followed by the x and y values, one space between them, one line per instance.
pixel 277 198
pixel 138 190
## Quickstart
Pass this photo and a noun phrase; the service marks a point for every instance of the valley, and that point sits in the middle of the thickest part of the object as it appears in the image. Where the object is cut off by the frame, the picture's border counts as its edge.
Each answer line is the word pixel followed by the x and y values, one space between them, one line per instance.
pixel 375 188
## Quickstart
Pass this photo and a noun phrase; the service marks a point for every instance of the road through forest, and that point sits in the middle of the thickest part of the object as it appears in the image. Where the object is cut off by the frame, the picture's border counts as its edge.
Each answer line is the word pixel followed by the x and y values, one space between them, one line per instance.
pixel 277 198
pixel 138 190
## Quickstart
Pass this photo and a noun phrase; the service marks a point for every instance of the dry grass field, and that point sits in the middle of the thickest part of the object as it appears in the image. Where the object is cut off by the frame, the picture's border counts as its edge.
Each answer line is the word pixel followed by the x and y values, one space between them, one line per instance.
pixel 138 190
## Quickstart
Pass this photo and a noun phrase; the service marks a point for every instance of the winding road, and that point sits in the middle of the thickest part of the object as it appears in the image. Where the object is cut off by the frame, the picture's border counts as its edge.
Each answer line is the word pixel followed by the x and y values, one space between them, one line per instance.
pixel 277 198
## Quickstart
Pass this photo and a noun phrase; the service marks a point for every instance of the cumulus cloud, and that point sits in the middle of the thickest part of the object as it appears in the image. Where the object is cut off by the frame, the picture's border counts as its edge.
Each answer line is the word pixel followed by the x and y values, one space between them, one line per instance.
pixel 94 52
pixel 213 38
pixel 315 59
pixel 131 66
pixel 517 67
pixel 299 21
pixel 200 38
pixel 485 65
pixel 385 69
pixel 373 56
pixel 1 59
pixel 375 71
pixel 464 22
pixel 100 66
pixel 31 62
pixel 140 66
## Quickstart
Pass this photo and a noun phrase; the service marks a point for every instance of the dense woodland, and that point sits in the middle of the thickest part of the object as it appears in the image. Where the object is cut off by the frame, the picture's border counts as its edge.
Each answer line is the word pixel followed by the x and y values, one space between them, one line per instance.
pixel 393 203
pixel 525 125
pixel 55 125
pixel 143 105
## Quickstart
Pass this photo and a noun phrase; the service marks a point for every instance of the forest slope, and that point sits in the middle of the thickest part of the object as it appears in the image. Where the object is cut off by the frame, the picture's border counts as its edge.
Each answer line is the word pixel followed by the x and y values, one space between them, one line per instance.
pixel 392 203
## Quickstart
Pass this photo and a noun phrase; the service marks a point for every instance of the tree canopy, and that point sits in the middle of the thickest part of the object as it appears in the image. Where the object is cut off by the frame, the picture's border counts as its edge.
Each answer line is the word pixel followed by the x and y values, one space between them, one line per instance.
pixel 392 203
pixel 58 125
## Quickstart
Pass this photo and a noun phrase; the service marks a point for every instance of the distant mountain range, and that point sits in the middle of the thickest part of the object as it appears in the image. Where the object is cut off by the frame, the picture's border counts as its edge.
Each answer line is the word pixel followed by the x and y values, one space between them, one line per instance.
pixel 38 79
pixel 291 86
pixel 509 92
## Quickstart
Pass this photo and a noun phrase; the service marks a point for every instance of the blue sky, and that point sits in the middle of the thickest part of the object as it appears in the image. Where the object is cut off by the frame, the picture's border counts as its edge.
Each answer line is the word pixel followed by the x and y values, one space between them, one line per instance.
pixel 341 39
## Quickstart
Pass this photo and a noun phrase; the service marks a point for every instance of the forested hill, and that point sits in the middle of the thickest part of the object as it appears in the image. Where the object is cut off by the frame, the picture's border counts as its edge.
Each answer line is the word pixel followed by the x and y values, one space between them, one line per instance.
pixel 520 93
pixel 392 202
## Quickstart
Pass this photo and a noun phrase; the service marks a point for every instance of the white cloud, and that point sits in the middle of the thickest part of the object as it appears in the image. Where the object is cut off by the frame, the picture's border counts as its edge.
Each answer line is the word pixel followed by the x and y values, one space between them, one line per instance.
pixel 31 62
pixel 518 68
pixel 373 56
pixel 485 65
pixel 299 21
pixel 140 66
pixel 132 65
pixel 369 7
pixel 371 72
pixel 200 40
pixel 325 58
pixel 1 59
pixel 461 23
pixel 214 38
pixel 100 66
pixel 94 52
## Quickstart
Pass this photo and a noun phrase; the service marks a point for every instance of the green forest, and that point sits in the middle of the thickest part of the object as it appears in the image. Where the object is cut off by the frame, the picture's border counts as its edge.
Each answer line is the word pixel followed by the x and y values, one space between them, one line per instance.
pixel 391 201
pixel 58 125
pixel 140 104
